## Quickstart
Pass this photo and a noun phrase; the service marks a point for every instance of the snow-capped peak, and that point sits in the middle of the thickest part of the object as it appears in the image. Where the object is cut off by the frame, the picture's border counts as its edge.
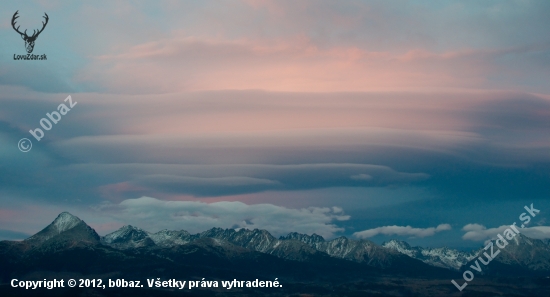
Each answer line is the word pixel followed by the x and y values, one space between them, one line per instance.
pixel 126 232
pixel 401 247
pixel 128 237
pixel 396 244
pixel 65 221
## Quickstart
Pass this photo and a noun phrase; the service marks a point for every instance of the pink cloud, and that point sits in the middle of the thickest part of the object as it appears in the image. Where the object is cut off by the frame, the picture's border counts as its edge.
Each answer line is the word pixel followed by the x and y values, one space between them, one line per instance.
pixel 204 114
pixel 187 63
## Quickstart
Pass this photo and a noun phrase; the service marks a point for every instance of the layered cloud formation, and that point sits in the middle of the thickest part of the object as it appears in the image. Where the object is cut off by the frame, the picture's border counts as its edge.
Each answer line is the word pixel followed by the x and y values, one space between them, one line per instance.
pixel 403 115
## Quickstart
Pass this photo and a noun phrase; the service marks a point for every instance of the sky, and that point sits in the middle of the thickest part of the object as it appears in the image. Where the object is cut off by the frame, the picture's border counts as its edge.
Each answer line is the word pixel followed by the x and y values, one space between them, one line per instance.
pixel 423 121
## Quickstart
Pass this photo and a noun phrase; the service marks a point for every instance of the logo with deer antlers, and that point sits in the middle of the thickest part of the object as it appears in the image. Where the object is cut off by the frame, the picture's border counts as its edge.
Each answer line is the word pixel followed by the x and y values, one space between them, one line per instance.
pixel 29 40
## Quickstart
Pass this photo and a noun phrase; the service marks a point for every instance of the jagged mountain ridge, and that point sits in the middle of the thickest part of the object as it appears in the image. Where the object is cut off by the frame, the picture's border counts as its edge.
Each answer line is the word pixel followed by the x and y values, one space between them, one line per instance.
pixel 68 245
pixel 68 230
pixel 217 254
pixel 528 252
pixel 520 255
pixel 360 251
pixel 302 247
pixel 440 257
pixel 295 246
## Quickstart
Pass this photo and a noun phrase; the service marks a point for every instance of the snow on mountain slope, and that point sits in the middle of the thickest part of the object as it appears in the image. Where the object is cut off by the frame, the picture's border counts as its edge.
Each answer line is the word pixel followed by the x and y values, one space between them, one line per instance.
pixel 65 221
pixel 302 247
pixel 525 253
pixel 128 237
pixel 258 240
pixel 360 251
pixel 169 238
pixel 294 246
pixel 73 229
pixel 440 257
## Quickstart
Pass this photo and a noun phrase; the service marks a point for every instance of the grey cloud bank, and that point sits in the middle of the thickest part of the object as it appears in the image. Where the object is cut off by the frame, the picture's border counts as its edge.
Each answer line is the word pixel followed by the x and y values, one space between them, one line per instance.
pixel 402 231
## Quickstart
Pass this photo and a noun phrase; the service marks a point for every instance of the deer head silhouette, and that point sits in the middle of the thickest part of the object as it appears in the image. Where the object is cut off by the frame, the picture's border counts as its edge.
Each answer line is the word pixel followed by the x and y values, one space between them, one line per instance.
pixel 29 40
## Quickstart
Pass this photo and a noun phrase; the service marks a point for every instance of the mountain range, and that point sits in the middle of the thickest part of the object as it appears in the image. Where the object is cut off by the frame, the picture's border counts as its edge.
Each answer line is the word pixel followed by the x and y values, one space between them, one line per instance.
pixel 296 246
pixel 304 262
